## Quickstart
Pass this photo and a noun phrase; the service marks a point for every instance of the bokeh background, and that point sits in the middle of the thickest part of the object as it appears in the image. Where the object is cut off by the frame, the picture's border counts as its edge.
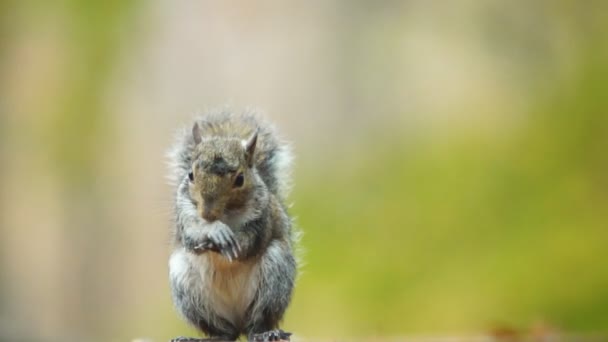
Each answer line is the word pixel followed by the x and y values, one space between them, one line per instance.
pixel 451 174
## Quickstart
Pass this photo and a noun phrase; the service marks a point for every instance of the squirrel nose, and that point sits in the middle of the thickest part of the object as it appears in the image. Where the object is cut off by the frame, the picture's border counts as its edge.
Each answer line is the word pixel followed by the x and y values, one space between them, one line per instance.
pixel 212 209
pixel 210 217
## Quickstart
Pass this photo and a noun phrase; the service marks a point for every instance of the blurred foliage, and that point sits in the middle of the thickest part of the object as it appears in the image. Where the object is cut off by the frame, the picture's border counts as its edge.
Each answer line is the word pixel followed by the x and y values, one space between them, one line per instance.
pixel 474 230
pixel 95 32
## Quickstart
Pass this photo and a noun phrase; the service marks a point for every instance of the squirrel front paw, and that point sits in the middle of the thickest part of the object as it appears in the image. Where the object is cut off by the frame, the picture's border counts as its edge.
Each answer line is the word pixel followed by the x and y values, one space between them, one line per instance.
pixel 220 239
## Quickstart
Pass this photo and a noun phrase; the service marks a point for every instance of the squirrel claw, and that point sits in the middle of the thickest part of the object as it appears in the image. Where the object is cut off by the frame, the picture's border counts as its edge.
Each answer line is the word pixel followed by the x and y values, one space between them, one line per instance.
pixel 270 336
pixel 226 254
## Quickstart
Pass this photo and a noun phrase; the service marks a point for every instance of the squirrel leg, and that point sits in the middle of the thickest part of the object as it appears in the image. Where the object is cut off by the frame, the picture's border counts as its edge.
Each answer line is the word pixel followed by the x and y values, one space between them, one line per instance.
pixel 277 276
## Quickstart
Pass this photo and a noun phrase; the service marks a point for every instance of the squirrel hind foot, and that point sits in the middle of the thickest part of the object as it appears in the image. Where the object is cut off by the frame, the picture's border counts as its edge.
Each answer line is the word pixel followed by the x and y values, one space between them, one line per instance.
pixel 270 336
pixel 196 339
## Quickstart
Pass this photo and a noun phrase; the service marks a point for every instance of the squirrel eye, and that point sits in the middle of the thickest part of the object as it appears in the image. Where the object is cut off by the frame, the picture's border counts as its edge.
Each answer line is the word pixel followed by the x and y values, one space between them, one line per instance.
pixel 191 176
pixel 239 180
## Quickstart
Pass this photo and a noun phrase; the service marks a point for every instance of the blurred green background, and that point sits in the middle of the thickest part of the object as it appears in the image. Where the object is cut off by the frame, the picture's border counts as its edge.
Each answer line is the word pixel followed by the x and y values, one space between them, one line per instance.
pixel 451 173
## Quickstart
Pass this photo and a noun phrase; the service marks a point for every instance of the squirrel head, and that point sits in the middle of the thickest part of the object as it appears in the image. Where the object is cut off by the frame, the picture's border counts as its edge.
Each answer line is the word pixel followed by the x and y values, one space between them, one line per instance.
pixel 222 178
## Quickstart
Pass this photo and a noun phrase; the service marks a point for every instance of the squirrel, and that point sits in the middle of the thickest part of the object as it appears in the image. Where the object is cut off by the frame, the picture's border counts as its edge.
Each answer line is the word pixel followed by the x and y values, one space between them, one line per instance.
pixel 232 268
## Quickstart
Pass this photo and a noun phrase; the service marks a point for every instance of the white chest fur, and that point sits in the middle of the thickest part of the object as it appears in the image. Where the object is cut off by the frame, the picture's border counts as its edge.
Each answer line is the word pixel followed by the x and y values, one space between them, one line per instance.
pixel 226 288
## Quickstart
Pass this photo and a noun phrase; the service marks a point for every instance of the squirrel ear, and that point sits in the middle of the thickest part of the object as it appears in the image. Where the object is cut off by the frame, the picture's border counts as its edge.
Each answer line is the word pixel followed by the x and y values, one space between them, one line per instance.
pixel 196 133
pixel 249 145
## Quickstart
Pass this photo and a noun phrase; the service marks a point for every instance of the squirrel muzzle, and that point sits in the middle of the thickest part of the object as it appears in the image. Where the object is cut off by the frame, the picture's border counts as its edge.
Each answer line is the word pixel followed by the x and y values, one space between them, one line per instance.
pixel 209 216
pixel 212 210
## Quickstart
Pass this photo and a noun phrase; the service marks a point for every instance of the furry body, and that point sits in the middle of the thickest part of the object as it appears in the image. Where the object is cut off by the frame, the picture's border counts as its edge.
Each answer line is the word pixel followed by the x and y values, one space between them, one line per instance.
pixel 232 269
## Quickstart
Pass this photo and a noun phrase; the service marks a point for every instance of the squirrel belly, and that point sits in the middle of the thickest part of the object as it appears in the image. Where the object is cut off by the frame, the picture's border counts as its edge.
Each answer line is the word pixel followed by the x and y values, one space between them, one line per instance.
pixel 232 269
pixel 221 288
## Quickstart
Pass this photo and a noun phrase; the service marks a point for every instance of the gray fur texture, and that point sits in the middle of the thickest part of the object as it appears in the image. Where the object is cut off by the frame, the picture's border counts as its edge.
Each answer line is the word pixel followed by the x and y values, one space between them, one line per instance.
pixel 232 269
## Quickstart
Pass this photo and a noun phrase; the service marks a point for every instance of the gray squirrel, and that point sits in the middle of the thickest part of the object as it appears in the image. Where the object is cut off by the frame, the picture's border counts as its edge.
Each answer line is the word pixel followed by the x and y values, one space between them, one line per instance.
pixel 232 268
